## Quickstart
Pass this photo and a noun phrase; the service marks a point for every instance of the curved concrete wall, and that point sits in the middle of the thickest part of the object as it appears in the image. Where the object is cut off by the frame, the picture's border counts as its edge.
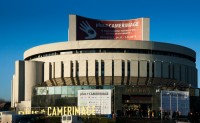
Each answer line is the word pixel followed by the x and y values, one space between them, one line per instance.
pixel 144 69
pixel 93 44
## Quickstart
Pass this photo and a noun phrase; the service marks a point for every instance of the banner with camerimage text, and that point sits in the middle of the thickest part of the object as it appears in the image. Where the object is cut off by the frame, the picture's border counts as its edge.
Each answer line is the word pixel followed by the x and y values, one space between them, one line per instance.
pixel 101 99
pixel 88 29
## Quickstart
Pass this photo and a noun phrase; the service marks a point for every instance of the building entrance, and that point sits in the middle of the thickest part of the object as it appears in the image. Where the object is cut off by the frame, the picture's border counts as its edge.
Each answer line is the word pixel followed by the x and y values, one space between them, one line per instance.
pixel 136 106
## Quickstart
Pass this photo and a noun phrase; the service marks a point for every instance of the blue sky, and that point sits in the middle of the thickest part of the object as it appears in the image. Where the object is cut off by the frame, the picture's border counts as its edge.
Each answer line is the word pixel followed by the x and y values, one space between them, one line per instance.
pixel 28 23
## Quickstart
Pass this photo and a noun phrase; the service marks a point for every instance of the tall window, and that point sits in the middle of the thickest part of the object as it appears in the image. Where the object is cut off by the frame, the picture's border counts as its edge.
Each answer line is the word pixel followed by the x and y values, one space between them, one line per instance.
pixel 147 69
pixel 113 69
pixel 77 68
pixel 102 71
pixel 62 69
pixel 86 68
pixel 72 69
pixel 128 72
pixel 153 65
pixel 96 68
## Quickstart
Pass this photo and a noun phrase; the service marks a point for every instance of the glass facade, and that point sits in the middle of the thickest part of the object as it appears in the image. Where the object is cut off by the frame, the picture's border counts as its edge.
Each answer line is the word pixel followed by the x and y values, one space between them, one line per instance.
pixel 123 97
pixel 59 95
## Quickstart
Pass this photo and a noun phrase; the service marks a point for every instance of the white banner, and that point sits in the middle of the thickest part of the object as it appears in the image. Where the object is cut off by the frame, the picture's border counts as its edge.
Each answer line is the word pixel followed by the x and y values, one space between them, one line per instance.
pixel 101 99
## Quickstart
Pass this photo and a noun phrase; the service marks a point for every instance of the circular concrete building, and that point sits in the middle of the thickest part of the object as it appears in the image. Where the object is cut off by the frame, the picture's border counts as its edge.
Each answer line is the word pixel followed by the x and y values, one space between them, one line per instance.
pixel 137 72
pixel 119 62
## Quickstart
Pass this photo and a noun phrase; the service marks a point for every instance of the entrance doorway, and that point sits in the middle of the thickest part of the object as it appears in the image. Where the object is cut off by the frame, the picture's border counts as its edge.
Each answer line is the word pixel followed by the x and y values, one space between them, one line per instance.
pixel 136 106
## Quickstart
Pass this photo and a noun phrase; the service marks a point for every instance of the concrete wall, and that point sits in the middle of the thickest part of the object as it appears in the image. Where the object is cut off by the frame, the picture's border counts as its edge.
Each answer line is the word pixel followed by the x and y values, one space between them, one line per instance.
pixel 18 83
pixel 33 76
pixel 27 74
pixel 116 44
pixel 146 28
pixel 145 68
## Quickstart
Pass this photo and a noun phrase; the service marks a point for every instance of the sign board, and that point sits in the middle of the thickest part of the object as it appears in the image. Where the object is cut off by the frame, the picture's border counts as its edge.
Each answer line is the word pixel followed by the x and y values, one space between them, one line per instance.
pixel 175 101
pixel 101 99
pixel 134 29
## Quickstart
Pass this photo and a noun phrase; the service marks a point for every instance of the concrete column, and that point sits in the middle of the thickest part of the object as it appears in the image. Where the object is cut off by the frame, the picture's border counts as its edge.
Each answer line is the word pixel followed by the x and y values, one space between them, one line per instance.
pixel 33 76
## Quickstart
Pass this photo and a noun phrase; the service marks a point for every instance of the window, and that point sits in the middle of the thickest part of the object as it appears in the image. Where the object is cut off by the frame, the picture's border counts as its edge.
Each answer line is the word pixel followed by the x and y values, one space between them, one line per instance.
pixel 128 71
pixel 62 69
pixel 64 89
pixel 70 91
pixel 86 68
pixel 102 68
pixel 113 72
pixel 96 68
pixel 77 68
pixel 51 90
pixel 76 88
pixel 153 69
pixel 58 90
pixel 72 69
pixel 147 69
